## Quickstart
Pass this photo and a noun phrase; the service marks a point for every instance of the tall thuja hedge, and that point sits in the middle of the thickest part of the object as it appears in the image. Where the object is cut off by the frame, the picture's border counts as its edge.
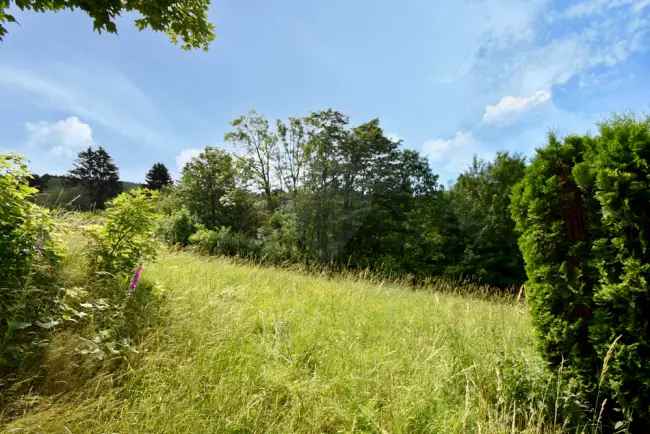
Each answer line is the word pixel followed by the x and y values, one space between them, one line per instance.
pixel 582 212
pixel 619 177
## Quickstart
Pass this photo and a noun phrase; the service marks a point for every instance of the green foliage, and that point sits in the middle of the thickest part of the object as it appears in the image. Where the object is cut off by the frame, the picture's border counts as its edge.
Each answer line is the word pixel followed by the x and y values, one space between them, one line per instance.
pixel 96 172
pixel 177 227
pixel 251 134
pixel 127 238
pixel 100 318
pixel 402 230
pixel 348 197
pixel 290 158
pixel 481 204
pixel 29 257
pixel 158 177
pixel 279 238
pixel 210 191
pixel 224 241
pixel 57 326
pixel 621 184
pixel 583 213
pixel 183 20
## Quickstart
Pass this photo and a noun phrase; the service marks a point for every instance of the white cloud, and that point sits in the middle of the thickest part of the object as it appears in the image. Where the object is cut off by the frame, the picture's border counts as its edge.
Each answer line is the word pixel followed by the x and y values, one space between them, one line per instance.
pixel 451 156
pixel 442 149
pixel 64 138
pixel 510 108
pixel 185 156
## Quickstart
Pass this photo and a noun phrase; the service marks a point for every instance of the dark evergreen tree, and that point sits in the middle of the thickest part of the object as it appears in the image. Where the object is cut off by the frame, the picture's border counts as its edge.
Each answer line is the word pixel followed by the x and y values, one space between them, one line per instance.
pixel 158 177
pixel 583 213
pixel 480 199
pixel 96 172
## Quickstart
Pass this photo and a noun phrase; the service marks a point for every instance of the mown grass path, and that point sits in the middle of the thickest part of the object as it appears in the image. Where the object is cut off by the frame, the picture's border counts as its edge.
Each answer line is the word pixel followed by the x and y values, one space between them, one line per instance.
pixel 250 349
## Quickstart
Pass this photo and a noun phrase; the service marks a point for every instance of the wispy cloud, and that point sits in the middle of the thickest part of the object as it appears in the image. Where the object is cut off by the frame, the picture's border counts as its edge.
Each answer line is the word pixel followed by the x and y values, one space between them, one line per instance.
pixel 592 7
pixel 561 49
pixel 106 98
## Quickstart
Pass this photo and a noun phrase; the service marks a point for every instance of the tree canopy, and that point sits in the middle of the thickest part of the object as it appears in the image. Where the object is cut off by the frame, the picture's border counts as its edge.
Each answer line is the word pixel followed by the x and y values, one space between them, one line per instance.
pixel 481 203
pixel 184 21
pixel 209 189
pixel 158 177
pixel 96 172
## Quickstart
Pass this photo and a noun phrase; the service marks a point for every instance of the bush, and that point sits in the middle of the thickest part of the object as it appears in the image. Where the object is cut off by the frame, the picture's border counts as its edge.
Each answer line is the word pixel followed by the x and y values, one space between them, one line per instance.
pixel 177 227
pixel 225 242
pixel 128 236
pixel 583 210
pixel 101 318
pixel 29 259
pixel 279 238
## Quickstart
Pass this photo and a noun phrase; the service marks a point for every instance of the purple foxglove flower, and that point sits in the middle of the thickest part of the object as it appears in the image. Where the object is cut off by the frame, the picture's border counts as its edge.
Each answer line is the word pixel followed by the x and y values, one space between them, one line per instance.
pixel 136 279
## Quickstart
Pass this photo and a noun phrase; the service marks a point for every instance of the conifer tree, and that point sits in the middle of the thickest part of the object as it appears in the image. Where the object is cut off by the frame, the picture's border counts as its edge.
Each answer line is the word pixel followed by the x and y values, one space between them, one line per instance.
pixel 96 172
pixel 158 177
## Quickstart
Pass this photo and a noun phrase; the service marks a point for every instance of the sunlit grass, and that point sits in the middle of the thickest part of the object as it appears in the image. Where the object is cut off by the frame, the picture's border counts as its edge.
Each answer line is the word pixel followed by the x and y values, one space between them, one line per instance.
pixel 253 349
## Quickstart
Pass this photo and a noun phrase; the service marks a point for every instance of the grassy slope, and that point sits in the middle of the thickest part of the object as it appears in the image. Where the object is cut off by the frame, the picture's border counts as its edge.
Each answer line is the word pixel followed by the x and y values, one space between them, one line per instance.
pixel 248 349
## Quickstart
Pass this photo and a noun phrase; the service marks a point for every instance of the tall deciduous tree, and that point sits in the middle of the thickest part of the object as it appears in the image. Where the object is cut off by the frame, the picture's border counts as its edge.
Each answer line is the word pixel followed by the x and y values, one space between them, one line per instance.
pixel 290 157
pixel 183 20
pixel 96 172
pixel 252 134
pixel 320 203
pixel 158 177
pixel 209 189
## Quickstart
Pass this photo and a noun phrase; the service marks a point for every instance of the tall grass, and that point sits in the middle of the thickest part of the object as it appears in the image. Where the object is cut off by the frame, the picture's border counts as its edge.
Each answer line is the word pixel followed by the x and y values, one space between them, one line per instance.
pixel 244 348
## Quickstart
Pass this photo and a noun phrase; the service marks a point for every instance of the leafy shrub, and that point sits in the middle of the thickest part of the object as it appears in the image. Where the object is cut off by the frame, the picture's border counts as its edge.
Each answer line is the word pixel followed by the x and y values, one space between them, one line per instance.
pixel 279 238
pixel 225 242
pixel 177 227
pixel 29 259
pixel 127 238
pixel 100 317
pixel 583 210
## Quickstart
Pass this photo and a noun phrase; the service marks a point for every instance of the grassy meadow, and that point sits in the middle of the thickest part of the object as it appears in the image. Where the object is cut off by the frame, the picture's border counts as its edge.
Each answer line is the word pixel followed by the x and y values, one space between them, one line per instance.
pixel 241 348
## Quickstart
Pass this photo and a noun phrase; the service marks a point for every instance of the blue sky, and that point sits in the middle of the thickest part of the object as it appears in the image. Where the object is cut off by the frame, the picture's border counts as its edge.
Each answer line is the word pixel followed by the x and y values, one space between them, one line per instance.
pixel 452 79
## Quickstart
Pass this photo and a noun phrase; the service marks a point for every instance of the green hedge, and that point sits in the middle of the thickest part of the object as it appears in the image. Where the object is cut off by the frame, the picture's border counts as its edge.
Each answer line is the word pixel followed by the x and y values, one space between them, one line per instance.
pixel 583 211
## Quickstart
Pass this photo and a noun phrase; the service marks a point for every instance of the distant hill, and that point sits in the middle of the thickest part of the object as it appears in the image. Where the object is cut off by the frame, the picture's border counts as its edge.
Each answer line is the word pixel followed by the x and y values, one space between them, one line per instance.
pixel 59 191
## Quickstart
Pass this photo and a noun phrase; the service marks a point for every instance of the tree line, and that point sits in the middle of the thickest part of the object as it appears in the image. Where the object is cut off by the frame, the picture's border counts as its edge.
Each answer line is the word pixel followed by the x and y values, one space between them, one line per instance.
pixel 320 191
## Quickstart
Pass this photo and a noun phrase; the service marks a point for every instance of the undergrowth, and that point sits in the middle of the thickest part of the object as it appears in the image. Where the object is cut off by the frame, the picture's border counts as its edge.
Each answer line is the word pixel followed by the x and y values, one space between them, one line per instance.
pixel 244 348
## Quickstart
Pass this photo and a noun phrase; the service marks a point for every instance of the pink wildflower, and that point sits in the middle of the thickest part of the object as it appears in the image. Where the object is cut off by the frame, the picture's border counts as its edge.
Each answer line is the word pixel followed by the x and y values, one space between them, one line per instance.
pixel 136 279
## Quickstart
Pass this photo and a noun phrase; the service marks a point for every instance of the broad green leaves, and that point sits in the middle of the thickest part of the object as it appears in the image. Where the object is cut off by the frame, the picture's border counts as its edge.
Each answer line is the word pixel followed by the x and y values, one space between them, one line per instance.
pixel 184 21
pixel 28 259
pixel 127 238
